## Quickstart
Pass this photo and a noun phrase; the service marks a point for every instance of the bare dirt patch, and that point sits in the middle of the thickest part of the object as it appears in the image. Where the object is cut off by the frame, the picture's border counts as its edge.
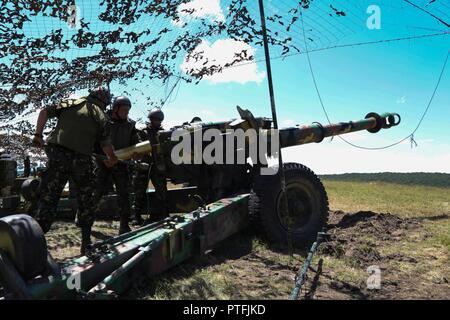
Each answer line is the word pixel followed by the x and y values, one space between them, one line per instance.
pixel 395 245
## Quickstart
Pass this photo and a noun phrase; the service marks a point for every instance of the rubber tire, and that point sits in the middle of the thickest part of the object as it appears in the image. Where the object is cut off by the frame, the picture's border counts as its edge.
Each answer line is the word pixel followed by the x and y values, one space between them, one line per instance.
pixel 264 200
pixel 22 239
pixel 13 284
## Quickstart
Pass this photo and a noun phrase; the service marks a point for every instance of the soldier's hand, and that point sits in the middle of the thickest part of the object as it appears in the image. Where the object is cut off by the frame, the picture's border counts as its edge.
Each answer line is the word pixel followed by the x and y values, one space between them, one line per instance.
pixel 111 162
pixel 38 142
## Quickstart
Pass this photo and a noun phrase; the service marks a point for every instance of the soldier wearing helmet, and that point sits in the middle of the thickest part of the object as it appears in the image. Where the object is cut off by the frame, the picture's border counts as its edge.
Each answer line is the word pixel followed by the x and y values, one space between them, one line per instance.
pixel 123 134
pixel 157 172
pixel 156 117
pixel 81 123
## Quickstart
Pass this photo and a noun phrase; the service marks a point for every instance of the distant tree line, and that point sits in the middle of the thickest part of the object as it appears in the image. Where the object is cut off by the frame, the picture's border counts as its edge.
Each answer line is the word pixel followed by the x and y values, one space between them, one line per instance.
pixel 413 178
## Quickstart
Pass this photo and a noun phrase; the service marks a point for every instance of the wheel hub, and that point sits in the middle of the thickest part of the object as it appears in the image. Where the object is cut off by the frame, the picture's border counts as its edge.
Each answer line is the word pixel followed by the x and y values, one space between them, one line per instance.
pixel 300 204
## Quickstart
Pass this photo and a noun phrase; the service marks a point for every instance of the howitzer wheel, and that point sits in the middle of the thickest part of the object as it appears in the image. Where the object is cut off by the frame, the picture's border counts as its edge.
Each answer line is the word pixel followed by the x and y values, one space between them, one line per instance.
pixel 307 202
pixel 22 239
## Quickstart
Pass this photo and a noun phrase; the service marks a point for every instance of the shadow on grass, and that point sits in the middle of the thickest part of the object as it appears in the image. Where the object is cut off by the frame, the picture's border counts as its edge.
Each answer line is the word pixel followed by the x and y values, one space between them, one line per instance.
pixel 346 288
pixel 195 279
pixel 315 282
pixel 235 247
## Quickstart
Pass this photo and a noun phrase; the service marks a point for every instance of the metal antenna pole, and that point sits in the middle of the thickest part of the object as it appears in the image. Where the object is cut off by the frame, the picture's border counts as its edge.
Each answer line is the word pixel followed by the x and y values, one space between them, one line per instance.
pixel 268 65
pixel 274 113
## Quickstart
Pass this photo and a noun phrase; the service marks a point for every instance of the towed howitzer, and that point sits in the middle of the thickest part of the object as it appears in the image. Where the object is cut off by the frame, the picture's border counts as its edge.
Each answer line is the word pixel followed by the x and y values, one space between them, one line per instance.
pixel 236 194
pixel 223 177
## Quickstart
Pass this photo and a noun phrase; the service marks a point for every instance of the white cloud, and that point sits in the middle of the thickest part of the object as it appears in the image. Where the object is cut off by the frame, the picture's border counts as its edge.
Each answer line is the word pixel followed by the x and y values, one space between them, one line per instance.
pixel 220 53
pixel 198 9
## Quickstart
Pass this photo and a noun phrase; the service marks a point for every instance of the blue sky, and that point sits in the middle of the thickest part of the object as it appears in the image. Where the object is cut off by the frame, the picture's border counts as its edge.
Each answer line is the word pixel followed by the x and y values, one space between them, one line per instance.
pixel 395 76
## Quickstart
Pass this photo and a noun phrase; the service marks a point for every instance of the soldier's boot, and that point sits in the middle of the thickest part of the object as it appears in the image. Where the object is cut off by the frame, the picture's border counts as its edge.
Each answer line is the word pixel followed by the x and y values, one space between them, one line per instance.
pixel 85 239
pixel 124 226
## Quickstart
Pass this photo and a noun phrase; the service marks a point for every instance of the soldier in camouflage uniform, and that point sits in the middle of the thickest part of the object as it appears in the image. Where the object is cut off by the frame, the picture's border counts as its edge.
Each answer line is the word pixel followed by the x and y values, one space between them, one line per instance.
pixel 26 166
pixel 157 172
pixel 140 179
pixel 123 134
pixel 81 123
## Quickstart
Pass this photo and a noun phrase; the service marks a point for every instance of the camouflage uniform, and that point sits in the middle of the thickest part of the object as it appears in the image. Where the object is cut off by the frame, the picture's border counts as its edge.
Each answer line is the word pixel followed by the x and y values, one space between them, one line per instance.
pixel 62 164
pixel 69 152
pixel 26 167
pixel 140 185
pixel 120 177
pixel 123 134
pixel 157 177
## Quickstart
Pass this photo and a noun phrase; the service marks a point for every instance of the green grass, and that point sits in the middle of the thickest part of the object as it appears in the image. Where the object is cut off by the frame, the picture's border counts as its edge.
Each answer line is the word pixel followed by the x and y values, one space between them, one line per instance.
pixel 252 275
pixel 426 251
pixel 444 239
pixel 440 232
pixel 402 200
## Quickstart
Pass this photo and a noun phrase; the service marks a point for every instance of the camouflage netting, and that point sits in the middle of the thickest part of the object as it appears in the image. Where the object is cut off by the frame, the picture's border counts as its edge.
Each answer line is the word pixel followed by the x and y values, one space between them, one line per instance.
pixel 53 48
pixel 40 67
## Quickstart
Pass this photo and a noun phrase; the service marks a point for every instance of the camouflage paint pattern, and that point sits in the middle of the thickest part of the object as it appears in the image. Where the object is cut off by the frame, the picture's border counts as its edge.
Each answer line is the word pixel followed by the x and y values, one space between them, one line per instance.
pixel 288 136
pixel 140 184
pixel 171 241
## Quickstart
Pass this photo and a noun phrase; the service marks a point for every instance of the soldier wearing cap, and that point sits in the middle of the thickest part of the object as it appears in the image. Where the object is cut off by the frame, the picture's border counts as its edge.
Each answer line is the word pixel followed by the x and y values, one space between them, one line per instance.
pixel 123 134
pixel 81 123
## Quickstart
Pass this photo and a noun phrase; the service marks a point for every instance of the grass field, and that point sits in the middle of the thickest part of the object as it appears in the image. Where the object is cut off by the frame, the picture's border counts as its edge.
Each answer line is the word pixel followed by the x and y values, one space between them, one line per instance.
pixel 403 200
pixel 404 230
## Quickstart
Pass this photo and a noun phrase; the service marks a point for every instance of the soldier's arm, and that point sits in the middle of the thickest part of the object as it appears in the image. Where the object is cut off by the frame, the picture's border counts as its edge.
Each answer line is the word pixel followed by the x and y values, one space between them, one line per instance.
pixel 45 114
pixel 41 121
pixel 38 139
pixel 105 141
pixel 109 151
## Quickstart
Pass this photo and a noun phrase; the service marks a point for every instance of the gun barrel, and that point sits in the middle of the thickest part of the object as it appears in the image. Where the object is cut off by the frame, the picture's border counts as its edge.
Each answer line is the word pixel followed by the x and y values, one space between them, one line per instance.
pixel 316 132
pixel 289 137
pixel 127 153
